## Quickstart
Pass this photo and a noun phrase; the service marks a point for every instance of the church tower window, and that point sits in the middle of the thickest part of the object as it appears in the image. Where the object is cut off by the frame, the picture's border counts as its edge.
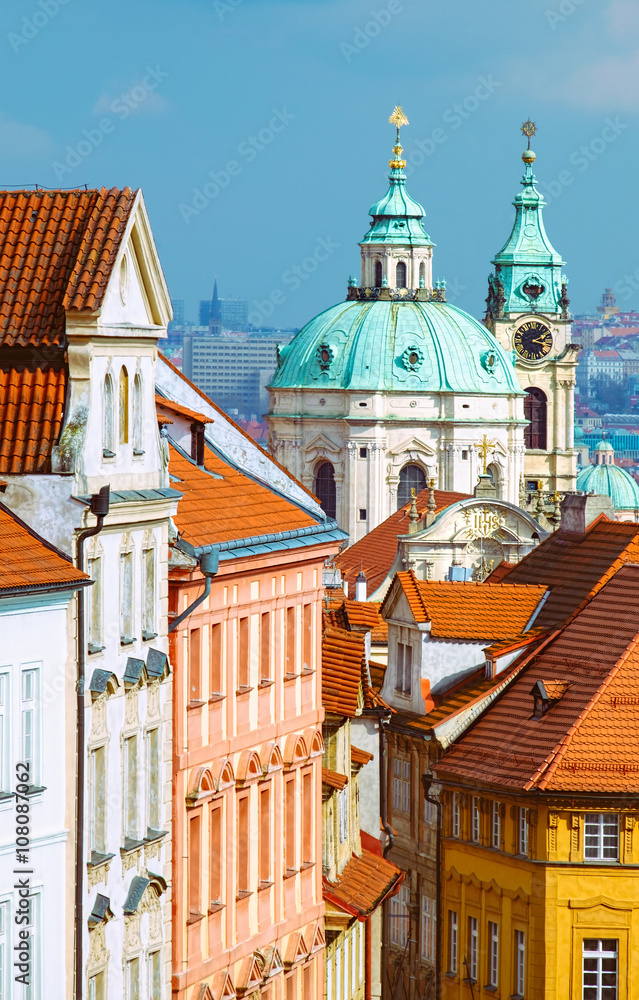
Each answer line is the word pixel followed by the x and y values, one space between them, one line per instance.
pixel 422 275
pixel 325 488
pixel 124 406
pixel 400 275
pixel 410 478
pixel 535 407
pixel 378 274
pixel 108 443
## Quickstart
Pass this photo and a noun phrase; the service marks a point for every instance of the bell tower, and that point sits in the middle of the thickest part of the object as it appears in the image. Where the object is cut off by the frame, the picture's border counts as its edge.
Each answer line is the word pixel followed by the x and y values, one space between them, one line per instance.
pixel 527 311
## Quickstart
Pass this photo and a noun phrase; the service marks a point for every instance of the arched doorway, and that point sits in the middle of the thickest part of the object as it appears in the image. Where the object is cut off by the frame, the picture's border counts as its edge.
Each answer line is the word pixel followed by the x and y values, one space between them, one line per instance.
pixel 324 488
pixel 535 410
pixel 412 477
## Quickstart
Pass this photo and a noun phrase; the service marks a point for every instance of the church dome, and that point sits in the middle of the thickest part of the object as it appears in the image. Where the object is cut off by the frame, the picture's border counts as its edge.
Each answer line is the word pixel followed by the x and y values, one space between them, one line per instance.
pixel 410 346
pixel 612 481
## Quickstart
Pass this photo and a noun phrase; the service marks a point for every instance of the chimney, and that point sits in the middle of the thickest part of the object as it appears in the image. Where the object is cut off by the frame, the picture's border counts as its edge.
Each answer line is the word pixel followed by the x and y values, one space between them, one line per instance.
pixel 579 511
pixel 360 587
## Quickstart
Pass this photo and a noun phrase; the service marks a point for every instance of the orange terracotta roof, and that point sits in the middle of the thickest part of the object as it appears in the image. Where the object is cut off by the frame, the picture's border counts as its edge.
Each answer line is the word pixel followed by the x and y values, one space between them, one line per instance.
pixel 470 610
pixel 227 505
pixel 360 756
pixel 365 881
pixel 57 250
pixel 365 615
pixel 28 562
pixel 183 411
pixel 343 655
pixel 375 553
pixel 31 414
pixel 499 572
pixel 333 779
pixel 588 740
pixel 497 649
pixel 377 671
pixel 576 569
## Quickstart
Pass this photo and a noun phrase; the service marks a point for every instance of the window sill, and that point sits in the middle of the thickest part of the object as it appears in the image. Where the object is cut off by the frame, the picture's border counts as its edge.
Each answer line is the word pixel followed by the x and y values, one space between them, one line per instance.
pixel 194 704
pixel 215 908
pixel 127 640
pixel 152 836
pixel 34 790
pixel 243 689
pixel 107 453
pixel 138 452
pixel 490 989
pixel 262 885
pixel 194 918
pixel 290 677
pixel 92 647
pixel 403 694
pixel 131 845
pixel 306 865
pixel 290 872
pixel 266 682
pixel 243 894
pixel 98 859
pixel 213 700
pixel 307 672
pixel 147 636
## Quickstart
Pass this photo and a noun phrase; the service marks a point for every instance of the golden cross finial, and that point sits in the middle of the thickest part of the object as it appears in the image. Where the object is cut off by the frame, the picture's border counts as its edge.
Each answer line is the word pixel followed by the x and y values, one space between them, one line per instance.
pixel 398 118
pixel 484 449
pixel 529 129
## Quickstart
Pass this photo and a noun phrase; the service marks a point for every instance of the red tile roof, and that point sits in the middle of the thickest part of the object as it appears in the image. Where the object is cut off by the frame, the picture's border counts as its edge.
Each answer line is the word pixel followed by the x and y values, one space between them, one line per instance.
pixel 28 562
pixel 333 779
pixel 31 414
pixel 470 610
pixel 227 505
pixel 365 881
pixel 360 756
pixel 575 569
pixel 588 741
pixel 343 654
pixel 375 553
pixel 167 404
pixel 57 250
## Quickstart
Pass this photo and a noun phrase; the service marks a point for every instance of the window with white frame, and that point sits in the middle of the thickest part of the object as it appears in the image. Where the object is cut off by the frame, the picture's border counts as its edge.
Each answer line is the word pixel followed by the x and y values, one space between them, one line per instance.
pixel 155 975
pixel 353 960
pixel 97 986
pixel 5 735
pixel 138 416
pixel 94 567
pixel 601 837
pixel 520 963
pixel 33 928
pixel 97 799
pixel 148 594
pixel 30 721
pixel 493 955
pixel 456 816
pixel 452 942
pixel 430 811
pixel 473 947
pixel 401 785
pixel 404 669
pixel 5 951
pixel 496 825
pixel 476 821
pixel 131 788
pixel 132 979
pixel 522 831
pixel 600 969
pixel 362 948
pixel 126 598
pixel 154 789
pixel 342 797
pixel 399 917
pixel 429 923
pixel 108 419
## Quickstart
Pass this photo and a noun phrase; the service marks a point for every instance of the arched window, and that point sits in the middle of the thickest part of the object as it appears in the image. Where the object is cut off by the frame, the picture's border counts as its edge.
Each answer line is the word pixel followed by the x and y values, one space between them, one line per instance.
pixel 108 442
pixel 325 488
pixel 535 407
pixel 124 406
pixel 422 275
pixel 410 478
pixel 378 274
pixel 137 416
pixel 494 472
pixel 400 275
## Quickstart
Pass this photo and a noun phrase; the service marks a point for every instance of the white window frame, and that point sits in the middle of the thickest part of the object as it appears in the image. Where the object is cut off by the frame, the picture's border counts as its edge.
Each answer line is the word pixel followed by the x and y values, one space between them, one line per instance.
pixel 131 812
pixel 127 591
pixel 95 629
pixel 456 816
pixel 153 779
pixel 93 979
pixel 475 820
pixel 602 830
pixel 430 811
pixel 522 831
pixel 599 956
pixel 404 668
pixel 34 991
pixel 453 942
pixel 496 825
pixel 5 949
pixel 30 707
pixel 399 917
pixel 493 956
pixel 429 923
pixel 361 929
pixel 129 993
pixel 473 947
pixel 149 589
pixel 520 962
pixel 97 796
pixel 5 730
pixel 342 797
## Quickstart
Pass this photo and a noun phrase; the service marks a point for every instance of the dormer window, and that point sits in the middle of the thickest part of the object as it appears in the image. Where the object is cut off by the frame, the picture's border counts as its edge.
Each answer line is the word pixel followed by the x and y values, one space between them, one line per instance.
pixel 546 694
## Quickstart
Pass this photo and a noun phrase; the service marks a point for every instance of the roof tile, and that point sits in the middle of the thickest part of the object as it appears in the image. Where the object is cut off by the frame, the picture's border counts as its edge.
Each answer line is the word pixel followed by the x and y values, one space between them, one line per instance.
pixel 363 883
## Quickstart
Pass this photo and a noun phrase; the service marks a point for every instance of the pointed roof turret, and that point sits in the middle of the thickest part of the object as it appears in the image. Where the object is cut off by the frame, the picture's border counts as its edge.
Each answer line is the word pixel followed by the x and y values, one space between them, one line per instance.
pixel 216 308
pixel 528 266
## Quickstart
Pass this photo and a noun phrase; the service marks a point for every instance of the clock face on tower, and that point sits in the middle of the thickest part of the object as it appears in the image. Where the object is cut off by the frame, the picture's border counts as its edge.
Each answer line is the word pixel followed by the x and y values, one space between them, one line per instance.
pixel 533 340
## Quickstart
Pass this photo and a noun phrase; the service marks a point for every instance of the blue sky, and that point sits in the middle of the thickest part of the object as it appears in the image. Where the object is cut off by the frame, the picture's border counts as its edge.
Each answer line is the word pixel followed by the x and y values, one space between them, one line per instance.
pixel 258 131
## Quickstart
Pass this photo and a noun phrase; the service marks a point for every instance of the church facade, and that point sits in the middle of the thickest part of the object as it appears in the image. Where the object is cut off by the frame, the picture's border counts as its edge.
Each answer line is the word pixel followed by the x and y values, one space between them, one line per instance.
pixel 395 387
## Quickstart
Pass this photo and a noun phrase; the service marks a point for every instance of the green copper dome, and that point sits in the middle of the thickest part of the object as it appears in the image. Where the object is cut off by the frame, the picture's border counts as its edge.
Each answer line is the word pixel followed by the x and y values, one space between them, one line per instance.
pixel 393 346
pixel 612 481
pixel 397 217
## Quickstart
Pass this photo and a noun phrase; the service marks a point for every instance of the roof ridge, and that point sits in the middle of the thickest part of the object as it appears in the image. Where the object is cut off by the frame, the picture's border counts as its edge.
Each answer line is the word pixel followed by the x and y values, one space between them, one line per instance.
pixel 552 761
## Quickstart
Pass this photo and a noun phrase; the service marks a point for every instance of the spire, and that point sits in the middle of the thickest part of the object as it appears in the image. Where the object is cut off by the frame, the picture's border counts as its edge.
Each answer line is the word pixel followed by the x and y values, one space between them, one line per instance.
pixel 528 274
pixel 215 322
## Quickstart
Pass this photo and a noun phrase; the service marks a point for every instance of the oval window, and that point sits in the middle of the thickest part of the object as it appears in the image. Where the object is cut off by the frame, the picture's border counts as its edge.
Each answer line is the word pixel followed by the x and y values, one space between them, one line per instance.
pixel 413 358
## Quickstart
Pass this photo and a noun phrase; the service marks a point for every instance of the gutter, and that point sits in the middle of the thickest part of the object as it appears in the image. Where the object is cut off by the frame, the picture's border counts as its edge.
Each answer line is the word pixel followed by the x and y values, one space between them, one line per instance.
pixel 240 543
pixel 99 505
pixel 208 563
